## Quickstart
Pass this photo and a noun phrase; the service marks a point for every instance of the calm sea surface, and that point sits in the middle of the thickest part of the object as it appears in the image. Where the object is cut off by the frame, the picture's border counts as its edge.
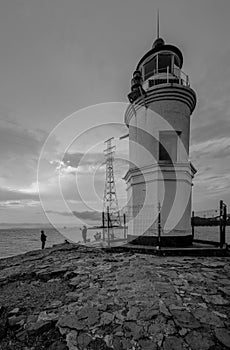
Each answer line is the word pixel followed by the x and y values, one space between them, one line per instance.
pixel 211 233
pixel 15 241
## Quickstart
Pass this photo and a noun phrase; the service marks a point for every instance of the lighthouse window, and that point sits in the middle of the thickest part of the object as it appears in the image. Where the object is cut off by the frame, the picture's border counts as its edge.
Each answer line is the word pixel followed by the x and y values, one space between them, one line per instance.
pixel 176 61
pixel 164 61
pixel 168 146
pixel 150 68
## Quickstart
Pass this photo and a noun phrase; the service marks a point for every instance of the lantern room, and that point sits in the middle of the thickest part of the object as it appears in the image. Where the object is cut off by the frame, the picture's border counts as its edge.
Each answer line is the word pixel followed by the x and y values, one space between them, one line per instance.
pixel 162 64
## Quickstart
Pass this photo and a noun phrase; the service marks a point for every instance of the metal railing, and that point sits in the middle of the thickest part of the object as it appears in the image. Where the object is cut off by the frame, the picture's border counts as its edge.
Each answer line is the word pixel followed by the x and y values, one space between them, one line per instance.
pixel 166 76
pixel 211 226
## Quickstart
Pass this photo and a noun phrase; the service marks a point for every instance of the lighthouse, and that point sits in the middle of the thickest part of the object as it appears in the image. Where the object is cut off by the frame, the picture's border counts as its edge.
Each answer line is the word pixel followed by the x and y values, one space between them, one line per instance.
pixel 159 178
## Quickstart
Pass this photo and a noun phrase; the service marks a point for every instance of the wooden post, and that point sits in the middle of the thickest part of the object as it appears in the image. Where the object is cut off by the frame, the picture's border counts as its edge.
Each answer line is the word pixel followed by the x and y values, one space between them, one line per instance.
pixel 103 226
pixel 159 225
pixel 192 223
pixel 108 226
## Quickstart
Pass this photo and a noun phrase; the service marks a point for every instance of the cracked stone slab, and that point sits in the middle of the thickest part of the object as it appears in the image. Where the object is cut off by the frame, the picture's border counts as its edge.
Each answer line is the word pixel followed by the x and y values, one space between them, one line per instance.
pixel 185 319
pixel 147 344
pixel 106 318
pixel 174 343
pixel 215 299
pixel 199 341
pixel 207 317
pixel 223 336
pixel 72 322
pixel 39 327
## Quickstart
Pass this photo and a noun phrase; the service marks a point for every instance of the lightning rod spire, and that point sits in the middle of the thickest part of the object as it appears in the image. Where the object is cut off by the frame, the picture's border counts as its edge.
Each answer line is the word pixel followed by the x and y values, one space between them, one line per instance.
pixel 158 24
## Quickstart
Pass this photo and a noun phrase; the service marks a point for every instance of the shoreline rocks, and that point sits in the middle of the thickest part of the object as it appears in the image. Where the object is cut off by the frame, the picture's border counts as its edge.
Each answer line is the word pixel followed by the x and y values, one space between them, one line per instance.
pixel 74 297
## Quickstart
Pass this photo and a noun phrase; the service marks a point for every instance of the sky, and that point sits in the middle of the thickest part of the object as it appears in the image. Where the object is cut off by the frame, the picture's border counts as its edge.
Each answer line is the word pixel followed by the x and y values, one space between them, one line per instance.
pixel 65 71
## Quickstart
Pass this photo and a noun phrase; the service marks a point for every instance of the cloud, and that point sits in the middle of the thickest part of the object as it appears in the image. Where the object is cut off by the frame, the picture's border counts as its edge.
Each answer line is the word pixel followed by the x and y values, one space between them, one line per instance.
pixel 83 159
pixel 93 160
pixel 211 116
pixel 19 152
pixel 211 158
pixel 20 203
pixel 7 194
pixel 210 134
pixel 214 148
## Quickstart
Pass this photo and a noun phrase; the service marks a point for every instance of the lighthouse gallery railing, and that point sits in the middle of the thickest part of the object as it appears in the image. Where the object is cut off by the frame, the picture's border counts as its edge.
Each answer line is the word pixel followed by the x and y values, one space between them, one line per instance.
pixel 165 76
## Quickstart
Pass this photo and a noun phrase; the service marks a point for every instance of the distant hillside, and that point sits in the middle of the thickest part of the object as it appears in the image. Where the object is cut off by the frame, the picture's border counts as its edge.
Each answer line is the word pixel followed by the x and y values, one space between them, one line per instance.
pixel 199 221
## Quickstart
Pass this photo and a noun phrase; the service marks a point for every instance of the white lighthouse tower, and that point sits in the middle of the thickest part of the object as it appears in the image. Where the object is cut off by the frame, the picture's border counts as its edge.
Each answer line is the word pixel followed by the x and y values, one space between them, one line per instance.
pixel 160 175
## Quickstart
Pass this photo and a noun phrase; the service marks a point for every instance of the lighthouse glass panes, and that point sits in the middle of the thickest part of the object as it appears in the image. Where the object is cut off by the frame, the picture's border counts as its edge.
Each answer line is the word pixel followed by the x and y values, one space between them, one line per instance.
pixel 164 62
pixel 150 68
pixel 168 146
pixel 159 63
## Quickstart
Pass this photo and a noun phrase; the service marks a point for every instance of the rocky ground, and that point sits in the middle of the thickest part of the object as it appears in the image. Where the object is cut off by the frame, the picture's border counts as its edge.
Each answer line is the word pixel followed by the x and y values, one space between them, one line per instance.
pixel 73 297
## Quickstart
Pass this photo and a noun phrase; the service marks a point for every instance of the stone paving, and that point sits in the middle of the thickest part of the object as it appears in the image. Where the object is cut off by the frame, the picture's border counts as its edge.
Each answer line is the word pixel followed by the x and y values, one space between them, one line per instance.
pixel 96 300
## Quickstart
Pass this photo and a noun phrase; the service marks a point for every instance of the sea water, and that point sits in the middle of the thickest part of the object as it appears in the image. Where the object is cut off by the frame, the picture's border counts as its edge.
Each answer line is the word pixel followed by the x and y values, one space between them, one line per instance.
pixel 14 241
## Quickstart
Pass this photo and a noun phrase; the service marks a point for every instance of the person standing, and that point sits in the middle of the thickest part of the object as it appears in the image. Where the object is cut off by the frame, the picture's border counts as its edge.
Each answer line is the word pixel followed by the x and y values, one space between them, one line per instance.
pixel 84 233
pixel 43 239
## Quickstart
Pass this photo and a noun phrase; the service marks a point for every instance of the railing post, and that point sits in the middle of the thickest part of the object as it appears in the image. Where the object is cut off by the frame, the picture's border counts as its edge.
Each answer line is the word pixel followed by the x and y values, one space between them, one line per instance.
pixel 187 80
pixel 167 74
pixel 180 76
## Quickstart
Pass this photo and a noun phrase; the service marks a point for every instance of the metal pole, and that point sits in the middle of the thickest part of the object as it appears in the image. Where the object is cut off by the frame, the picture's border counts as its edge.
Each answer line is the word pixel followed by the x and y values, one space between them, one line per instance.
pixel 124 219
pixel 192 222
pixel 221 224
pixel 159 225
pixel 224 223
pixel 103 225
pixel 108 226
pixel 167 74
pixel 187 81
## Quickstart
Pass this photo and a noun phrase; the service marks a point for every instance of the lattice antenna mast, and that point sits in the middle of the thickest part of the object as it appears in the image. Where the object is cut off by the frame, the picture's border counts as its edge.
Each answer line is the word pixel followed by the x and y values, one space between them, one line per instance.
pixel 110 196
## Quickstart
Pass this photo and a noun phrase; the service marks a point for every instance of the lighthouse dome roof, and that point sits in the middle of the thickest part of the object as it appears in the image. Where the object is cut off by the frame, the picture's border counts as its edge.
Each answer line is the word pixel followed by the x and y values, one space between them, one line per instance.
pixel 158 42
pixel 160 46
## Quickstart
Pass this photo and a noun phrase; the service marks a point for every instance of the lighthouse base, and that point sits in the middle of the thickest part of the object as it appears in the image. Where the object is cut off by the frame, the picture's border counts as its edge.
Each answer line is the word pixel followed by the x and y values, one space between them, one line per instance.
pixel 165 241
pixel 169 185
